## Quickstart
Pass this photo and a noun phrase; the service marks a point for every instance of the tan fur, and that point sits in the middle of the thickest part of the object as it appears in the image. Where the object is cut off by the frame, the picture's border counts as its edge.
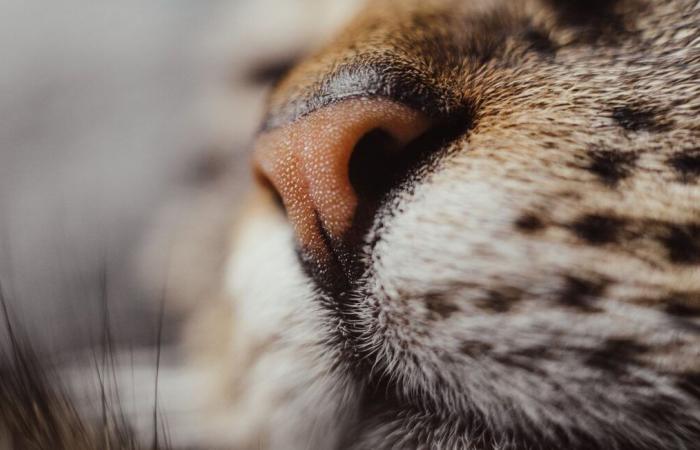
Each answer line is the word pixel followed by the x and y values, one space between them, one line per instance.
pixel 533 282
pixel 574 116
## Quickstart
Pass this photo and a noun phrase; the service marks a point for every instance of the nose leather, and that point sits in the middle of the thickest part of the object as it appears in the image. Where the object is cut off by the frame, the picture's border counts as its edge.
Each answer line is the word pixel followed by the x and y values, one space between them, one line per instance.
pixel 307 162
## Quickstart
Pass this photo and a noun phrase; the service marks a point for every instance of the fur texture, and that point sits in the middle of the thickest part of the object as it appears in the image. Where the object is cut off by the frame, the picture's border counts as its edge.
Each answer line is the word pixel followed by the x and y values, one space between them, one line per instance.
pixel 533 281
pixel 530 278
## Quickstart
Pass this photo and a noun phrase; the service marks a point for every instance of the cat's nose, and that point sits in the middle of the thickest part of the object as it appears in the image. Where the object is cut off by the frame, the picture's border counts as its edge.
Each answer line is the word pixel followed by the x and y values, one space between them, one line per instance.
pixel 325 163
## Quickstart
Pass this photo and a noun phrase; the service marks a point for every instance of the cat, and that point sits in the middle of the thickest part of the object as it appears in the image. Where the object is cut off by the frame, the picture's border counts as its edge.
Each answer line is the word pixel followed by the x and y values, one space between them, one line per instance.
pixel 474 224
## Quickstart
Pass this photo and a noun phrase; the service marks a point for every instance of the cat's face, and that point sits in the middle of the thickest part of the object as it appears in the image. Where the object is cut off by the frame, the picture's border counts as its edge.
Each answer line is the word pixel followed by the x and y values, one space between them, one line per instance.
pixel 487 231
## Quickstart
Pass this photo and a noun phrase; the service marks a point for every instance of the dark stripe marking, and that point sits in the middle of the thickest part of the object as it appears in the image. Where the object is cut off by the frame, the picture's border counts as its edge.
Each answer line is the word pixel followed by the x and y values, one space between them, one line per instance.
pixel 611 166
pixel 597 229
pixel 687 164
pixel 580 294
pixel 639 118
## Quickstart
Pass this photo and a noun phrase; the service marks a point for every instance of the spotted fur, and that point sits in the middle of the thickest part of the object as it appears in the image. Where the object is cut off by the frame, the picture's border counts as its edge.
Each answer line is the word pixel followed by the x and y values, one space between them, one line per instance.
pixel 529 278
pixel 497 304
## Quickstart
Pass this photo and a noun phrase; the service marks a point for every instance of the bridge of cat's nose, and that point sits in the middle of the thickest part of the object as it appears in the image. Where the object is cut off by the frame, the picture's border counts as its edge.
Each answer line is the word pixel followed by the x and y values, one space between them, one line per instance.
pixel 308 163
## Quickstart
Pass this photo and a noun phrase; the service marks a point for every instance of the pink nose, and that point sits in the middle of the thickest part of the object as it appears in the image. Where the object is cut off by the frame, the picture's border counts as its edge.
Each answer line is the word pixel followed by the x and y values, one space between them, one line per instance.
pixel 308 163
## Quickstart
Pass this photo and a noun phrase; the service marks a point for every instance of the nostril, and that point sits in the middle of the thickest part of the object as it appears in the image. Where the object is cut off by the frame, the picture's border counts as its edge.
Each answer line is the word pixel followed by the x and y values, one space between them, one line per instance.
pixel 335 162
pixel 372 165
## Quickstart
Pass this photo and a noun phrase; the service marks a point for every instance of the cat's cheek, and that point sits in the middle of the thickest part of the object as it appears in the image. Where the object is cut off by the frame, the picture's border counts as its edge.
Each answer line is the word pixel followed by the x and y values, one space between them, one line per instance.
pixel 278 375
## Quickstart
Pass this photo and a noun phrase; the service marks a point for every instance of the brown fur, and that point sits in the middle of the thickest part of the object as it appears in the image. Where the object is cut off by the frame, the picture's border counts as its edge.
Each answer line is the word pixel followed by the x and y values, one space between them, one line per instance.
pixel 531 280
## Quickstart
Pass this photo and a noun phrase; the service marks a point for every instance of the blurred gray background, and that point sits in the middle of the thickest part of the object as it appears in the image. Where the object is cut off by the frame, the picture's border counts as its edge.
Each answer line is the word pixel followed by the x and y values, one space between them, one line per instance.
pixel 112 114
pixel 106 111
pixel 96 129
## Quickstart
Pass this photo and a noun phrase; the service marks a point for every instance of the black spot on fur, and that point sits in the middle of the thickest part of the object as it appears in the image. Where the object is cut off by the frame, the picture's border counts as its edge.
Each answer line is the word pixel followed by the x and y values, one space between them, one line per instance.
pixel 683 305
pixel 500 300
pixel 633 118
pixel 687 164
pixel 690 383
pixel 683 243
pixel 598 21
pixel 529 223
pixel 616 355
pixel 534 352
pixel 581 294
pixel 582 11
pixel 439 307
pixel 597 229
pixel 611 166
pixel 521 363
pixel 474 348
pixel 539 41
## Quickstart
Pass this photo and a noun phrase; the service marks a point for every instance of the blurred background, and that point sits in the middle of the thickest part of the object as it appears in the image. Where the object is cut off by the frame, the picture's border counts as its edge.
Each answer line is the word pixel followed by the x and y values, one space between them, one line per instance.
pixel 110 113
